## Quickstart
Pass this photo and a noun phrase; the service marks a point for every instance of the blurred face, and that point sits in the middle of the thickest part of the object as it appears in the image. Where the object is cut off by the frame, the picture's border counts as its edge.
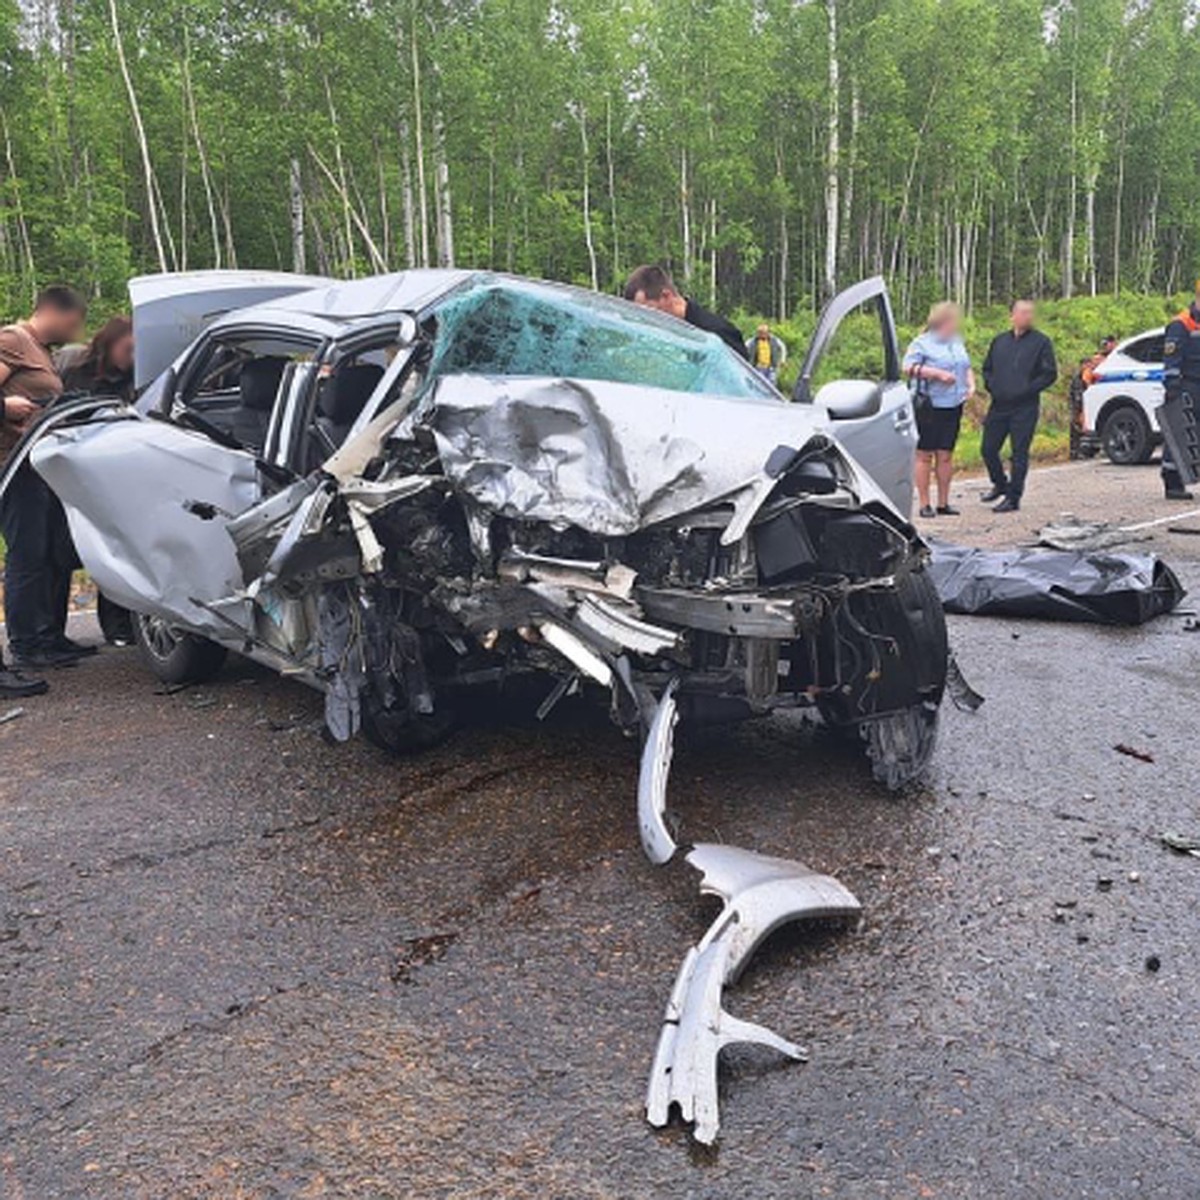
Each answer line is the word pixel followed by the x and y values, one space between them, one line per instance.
pixel 59 326
pixel 122 353
pixel 1023 314
pixel 668 302
pixel 947 326
pixel 763 331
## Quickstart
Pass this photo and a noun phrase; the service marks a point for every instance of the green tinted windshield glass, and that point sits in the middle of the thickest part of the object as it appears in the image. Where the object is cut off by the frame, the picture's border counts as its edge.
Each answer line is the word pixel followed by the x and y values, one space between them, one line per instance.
pixel 509 327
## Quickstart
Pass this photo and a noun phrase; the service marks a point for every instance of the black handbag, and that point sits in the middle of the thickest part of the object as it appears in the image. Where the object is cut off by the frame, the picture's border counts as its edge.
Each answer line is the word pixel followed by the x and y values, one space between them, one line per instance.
pixel 918 389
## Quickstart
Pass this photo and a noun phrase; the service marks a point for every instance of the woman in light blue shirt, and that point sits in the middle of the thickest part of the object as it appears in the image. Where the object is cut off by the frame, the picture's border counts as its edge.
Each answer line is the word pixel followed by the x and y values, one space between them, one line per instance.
pixel 939 369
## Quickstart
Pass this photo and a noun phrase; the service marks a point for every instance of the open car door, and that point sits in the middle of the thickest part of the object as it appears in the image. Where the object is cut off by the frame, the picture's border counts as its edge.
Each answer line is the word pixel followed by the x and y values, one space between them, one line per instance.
pixel 870 410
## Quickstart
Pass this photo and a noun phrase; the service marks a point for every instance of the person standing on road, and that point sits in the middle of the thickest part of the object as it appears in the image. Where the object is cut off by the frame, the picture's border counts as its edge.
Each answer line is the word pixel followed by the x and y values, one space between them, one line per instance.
pixel 653 287
pixel 939 368
pixel 1019 366
pixel 1181 376
pixel 766 353
pixel 39 555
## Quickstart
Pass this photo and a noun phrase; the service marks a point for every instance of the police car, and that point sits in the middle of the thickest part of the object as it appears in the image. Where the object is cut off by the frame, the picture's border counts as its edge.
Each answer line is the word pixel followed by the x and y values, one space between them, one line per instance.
pixel 1118 407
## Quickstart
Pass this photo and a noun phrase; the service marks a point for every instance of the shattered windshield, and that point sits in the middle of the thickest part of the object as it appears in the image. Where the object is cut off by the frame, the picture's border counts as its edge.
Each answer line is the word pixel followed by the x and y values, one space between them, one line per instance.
pixel 517 328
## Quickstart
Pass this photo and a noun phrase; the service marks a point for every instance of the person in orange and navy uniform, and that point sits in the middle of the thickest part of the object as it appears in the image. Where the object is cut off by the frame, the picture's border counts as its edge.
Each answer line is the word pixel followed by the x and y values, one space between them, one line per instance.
pixel 1181 374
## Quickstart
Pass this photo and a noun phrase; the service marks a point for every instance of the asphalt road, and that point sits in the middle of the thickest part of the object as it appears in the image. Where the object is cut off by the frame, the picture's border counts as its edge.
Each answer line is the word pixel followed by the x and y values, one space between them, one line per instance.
pixel 238 962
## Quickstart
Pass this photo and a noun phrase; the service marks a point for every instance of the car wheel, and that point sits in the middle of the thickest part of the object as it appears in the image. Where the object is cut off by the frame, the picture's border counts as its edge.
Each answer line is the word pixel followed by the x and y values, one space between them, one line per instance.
pixel 899 740
pixel 1126 436
pixel 401 732
pixel 174 656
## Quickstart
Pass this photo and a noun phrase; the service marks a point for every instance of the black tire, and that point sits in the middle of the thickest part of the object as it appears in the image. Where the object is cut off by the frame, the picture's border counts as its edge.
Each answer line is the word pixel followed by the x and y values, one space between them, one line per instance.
pixel 1126 435
pixel 403 733
pixel 900 735
pixel 173 656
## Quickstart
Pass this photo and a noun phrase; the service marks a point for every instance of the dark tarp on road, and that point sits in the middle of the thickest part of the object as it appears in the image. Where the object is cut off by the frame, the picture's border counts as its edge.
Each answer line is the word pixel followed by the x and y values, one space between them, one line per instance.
pixel 1056 585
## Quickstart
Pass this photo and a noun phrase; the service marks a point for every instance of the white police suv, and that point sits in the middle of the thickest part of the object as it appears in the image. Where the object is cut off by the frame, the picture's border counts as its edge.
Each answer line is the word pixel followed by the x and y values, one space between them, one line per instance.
pixel 1118 407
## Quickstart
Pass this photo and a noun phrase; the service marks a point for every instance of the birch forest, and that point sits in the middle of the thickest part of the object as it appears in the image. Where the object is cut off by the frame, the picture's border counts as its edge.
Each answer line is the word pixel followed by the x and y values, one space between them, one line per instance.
pixel 768 150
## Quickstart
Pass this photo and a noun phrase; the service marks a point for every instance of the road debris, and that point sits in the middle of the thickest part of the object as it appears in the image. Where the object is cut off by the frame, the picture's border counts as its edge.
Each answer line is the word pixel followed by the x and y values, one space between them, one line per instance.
pixel 11 715
pixel 1181 843
pixel 1133 752
pixel 760 895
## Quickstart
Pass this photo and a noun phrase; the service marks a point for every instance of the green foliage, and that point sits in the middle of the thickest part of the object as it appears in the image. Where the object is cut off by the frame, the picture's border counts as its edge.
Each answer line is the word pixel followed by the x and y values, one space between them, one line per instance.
pixel 984 147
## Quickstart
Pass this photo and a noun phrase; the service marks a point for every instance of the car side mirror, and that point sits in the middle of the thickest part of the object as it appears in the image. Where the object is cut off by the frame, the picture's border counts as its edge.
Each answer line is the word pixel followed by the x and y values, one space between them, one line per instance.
pixel 850 399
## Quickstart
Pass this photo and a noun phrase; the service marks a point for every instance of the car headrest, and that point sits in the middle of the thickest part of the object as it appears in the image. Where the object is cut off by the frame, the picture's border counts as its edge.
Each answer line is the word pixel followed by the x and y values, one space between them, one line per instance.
pixel 258 383
pixel 346 392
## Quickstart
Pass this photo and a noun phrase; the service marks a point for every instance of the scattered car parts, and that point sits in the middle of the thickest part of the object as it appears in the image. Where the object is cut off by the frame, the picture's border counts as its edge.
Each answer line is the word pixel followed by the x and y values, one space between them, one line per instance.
pixel 760 895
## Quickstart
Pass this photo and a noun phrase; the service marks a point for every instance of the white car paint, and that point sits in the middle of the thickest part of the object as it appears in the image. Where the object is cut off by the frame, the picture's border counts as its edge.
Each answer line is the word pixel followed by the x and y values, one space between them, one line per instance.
pixel 1131 375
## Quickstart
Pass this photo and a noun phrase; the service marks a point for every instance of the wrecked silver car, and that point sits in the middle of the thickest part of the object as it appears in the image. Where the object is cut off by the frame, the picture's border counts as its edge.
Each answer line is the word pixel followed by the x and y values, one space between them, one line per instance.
pixel 400 487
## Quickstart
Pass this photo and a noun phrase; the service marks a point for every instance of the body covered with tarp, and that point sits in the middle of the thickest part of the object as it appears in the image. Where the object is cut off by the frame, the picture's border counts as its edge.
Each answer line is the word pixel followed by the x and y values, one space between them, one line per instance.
pixel 1056 585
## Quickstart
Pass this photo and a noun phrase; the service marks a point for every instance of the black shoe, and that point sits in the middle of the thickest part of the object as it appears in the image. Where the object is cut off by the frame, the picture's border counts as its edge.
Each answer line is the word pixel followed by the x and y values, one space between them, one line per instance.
pixel 1179 494
pixel 44 660
pixel 926 512
pixel 948 510
pixel 994 495
pixel 15 686
pixel 66 646
pixel 1008 504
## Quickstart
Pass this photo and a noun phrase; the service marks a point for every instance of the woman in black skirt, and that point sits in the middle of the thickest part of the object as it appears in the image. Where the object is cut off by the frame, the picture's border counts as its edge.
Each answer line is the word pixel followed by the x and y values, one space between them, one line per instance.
pixel 939 368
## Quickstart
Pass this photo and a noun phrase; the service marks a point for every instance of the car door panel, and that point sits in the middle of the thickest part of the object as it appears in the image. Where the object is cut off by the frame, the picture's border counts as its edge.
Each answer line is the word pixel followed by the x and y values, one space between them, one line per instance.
pixel 884 441
pixel 156 544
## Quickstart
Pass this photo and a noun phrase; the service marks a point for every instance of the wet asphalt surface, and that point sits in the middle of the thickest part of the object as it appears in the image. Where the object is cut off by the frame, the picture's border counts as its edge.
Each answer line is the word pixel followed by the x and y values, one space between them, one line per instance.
pixel 238 962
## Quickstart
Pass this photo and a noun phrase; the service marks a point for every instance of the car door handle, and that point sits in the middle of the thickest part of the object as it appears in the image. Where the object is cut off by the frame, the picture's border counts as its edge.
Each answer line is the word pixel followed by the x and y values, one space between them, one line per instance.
pixel 903 422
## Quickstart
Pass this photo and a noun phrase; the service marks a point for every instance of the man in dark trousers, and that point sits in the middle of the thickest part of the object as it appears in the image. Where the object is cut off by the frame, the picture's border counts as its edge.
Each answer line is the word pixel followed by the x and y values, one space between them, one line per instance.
pixel 1181 375
pixel 1019 366
pixel 39 554
pixel 653 287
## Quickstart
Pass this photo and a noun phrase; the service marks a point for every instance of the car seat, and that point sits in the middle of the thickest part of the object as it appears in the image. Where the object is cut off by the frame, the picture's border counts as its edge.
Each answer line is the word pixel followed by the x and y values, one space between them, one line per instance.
pixel 343 396
pixel 258 385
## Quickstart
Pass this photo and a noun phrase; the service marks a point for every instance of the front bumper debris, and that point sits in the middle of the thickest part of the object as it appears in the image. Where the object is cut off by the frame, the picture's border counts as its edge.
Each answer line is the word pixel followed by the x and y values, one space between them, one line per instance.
pixel 760 895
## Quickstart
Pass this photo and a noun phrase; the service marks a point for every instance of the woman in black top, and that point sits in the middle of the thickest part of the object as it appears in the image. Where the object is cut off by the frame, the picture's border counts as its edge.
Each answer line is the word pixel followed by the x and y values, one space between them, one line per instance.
pixel 105 365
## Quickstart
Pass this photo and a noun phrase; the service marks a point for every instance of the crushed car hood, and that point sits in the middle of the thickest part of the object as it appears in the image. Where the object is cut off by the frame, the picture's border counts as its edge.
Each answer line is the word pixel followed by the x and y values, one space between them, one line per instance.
pixel 611 458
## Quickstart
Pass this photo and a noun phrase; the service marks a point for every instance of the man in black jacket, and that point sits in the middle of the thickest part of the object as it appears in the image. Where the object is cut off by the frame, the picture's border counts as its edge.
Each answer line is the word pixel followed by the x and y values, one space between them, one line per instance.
pixel 1019 366
pixel 653 287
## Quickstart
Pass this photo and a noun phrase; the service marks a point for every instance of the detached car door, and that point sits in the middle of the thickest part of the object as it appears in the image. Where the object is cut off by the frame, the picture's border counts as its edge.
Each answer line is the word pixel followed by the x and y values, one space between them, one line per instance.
pixel 870 409
pixel 148 496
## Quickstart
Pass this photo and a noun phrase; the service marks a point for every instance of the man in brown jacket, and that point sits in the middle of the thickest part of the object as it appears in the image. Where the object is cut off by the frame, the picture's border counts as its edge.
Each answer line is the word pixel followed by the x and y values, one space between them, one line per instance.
pixel 39 556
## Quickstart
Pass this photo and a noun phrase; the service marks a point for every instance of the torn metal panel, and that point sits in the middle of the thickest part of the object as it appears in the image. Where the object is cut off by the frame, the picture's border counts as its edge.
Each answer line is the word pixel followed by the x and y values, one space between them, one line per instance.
pixel 655 770
pixel 695 1030
pixel 609 458
pixel 576 651
pixel 622 627
pixel 760 895
pixel 1059 585
pixel 153 544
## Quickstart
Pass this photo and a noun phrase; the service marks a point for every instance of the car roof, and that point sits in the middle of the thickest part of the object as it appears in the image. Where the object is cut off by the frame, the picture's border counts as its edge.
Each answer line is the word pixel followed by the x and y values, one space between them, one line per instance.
pixel 1137 337
pixel 325 310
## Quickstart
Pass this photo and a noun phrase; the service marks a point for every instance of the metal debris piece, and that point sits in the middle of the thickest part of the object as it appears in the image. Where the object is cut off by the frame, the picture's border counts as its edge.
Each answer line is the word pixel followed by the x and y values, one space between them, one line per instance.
pixel 763 893
pixel 962 694
pixel 760 895
pixel 1181 842
pixel 695 1029
pixel 1073 534
pixel 657 841
pixel 11 715
pixel 1133 752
